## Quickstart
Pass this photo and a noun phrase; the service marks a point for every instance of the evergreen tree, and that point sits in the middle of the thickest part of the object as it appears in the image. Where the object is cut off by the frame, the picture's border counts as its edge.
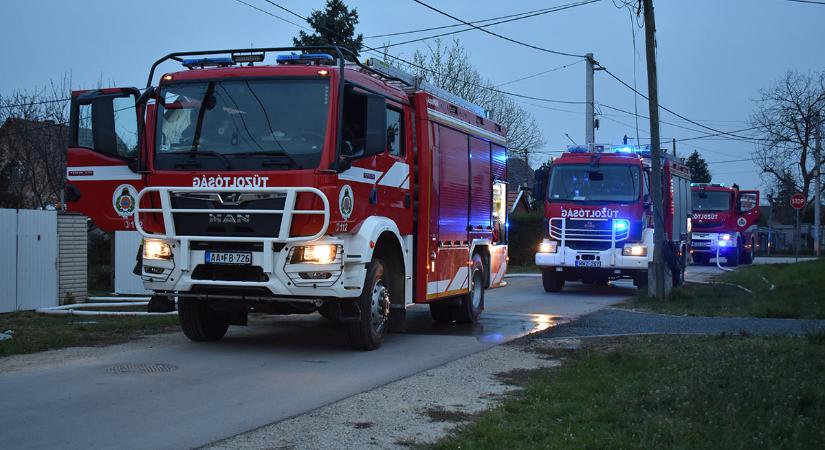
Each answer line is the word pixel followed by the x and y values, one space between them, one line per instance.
pixel 335 25
pixel 699 172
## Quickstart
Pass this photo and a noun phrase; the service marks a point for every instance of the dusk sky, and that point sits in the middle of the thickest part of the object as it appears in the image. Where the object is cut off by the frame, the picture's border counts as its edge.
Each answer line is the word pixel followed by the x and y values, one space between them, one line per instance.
pixel 714 55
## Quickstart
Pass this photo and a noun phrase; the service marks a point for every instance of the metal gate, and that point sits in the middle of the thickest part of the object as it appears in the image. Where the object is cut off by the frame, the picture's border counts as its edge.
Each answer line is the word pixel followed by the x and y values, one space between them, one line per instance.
pixel 28 259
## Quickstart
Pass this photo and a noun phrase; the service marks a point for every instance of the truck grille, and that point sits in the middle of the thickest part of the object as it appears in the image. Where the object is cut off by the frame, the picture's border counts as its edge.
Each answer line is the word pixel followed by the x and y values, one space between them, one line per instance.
pixel 703 225
pixel 599 230
pixel 227 224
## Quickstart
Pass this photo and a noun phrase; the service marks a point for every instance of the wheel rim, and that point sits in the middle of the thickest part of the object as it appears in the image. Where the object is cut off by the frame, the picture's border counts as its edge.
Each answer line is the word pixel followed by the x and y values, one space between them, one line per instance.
pixel 380 306
pixel 475 294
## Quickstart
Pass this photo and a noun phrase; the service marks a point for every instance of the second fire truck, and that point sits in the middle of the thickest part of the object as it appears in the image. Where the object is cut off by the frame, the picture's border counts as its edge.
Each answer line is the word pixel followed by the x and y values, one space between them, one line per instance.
pixel 314 184
pixel 599 217
pixel 724 223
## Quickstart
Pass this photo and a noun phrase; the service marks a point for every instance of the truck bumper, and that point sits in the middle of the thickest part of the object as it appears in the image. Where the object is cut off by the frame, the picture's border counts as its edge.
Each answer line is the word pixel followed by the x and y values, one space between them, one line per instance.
pixel 579 263
pixel 708 244
pixel 271 274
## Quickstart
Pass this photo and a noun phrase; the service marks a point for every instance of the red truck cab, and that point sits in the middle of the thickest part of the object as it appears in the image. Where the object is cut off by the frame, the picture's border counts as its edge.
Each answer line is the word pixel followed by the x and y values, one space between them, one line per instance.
pixel 724 223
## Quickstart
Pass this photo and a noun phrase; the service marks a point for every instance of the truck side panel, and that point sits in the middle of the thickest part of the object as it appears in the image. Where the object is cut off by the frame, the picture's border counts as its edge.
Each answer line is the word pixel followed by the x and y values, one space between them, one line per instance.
pixel 481 188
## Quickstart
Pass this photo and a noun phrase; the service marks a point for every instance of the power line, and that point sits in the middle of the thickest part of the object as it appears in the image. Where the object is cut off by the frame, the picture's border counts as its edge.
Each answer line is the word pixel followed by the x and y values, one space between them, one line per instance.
pixel 19 105
pixel 273 15
pixel 514 41
pixel 421 30
pixel 808 1
pixel 548 10
pixel 540 73
pixel 670 110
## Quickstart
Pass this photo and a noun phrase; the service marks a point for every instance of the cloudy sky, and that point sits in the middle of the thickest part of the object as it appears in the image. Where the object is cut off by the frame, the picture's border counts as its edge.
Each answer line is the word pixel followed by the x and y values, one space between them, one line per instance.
pixel 714 55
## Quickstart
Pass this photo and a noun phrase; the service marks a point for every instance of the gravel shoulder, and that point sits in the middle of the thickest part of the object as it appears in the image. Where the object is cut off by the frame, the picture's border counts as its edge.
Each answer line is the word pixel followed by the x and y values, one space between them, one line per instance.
pixel 416 410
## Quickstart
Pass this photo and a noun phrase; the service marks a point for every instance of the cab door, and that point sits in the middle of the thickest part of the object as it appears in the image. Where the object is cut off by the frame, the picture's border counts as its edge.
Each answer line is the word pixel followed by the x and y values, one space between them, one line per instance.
pixel 102 178
pixel 748 209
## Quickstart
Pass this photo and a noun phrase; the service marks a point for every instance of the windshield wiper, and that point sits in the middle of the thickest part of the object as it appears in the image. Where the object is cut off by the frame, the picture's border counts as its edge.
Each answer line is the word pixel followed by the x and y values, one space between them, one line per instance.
pixel 193 153
pixel 285 158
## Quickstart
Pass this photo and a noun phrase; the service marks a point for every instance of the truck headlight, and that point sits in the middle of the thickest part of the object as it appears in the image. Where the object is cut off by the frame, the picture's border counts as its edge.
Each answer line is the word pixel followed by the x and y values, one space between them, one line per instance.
pixel 548 246
pixel 156 249
pixel 634 250
pixel 724 237
pixel 315 254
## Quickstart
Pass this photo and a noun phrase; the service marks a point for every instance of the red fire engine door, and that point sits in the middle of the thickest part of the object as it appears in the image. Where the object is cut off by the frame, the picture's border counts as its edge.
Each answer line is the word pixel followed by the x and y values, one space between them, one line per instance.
pixel 102 181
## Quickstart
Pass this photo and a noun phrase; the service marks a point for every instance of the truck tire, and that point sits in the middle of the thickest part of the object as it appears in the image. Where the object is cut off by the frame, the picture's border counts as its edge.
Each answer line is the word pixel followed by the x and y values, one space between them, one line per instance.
pixel 472 303
pixel 551 280
pixel 374 304
pixel 732 259
pixel 701 260
pixel 199 322
pixel 440 311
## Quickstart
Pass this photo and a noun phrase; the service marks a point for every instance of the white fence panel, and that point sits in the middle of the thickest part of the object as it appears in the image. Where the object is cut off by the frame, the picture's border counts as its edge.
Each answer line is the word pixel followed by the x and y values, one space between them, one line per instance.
pixel 8 260
pixel 36 259
pixel 126 248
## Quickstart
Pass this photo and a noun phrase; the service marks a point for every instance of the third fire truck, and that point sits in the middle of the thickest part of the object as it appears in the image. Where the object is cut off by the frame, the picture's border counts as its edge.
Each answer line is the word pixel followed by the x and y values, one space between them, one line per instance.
pixel 600 217
pixel 724 223
pixel 317 183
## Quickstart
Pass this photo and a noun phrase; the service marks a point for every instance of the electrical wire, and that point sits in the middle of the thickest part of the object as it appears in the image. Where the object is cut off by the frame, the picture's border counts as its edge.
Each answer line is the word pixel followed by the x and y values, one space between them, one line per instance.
pixel 522 15
pixel 549 10
pixel 514 41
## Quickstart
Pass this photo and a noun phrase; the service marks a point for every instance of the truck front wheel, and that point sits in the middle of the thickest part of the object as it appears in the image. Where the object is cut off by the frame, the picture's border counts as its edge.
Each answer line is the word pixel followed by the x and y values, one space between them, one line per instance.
pixel 553 281
pixel 374 304
pixel 199 322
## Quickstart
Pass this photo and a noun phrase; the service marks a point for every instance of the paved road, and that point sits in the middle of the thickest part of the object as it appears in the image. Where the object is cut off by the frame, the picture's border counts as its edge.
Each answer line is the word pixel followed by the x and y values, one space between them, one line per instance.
pixel 275 369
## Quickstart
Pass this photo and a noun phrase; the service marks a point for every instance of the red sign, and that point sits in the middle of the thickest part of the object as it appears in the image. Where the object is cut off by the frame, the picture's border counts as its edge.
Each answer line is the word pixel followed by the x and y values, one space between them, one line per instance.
pixel 798 201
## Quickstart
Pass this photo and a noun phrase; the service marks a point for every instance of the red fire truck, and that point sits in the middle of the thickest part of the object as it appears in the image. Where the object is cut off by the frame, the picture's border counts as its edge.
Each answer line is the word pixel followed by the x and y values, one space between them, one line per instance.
pixel 724 223
pixel 318 183
pixel 600 219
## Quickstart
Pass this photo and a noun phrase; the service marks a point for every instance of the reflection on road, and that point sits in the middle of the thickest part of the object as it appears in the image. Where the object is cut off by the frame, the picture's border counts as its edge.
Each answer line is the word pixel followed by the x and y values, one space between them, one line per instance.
pixel 493 328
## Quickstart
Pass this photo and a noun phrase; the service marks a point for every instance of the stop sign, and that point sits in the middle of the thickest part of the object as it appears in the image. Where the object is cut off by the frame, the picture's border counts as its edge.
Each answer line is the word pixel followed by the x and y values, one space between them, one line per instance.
pixel 798 201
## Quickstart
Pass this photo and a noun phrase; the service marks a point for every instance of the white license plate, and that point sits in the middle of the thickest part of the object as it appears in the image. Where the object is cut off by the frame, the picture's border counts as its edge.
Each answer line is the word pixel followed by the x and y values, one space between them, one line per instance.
pixel 228 258
pixel 588 263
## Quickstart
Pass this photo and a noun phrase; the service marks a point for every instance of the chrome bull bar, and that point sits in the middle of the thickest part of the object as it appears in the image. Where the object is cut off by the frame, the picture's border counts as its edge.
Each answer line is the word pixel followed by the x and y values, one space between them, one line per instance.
pixel 287 213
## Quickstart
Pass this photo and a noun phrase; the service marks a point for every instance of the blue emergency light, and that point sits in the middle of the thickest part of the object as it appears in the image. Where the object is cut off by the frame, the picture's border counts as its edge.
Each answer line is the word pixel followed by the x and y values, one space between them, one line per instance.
pixel 294 58
pixel 621 225
pixel 578 149
pixel 207 62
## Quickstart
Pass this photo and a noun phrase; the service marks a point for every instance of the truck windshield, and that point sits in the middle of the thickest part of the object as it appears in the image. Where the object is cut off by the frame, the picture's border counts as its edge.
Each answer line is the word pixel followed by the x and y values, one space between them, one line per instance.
pixel 605 183
pixel 242 124
pixel 711 200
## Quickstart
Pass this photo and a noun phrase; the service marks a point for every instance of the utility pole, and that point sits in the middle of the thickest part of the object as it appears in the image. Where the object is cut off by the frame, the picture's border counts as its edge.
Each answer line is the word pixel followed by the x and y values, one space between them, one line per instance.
pixel 818 181
pixel 658 287
pixel 589 116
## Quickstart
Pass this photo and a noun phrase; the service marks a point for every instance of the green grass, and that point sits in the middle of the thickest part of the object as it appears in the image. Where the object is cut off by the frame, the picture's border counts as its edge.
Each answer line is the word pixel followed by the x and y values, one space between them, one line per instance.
pixel 36 332
pixel 799 293
pixel 666 392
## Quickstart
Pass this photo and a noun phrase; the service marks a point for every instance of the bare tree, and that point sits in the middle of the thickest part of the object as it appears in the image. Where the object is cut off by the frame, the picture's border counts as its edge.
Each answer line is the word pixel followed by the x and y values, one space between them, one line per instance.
pixel 33 138
pixel 448 67
pixel 787 115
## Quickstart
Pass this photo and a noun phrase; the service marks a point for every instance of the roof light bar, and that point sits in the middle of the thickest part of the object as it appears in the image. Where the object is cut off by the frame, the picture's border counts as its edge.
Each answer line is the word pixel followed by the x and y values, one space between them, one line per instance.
pixel 302 58
pixel 206 62
pixel 248 57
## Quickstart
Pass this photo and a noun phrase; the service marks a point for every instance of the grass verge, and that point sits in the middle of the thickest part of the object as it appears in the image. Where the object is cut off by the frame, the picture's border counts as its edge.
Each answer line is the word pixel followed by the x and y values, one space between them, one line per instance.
pixel 666 392
pixel 798 293
pixel 37 332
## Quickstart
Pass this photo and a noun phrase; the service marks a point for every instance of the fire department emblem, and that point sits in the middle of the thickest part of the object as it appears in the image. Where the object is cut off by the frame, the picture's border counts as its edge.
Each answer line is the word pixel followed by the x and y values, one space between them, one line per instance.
pixel 123 200
pixel 742 221
pixel 346 201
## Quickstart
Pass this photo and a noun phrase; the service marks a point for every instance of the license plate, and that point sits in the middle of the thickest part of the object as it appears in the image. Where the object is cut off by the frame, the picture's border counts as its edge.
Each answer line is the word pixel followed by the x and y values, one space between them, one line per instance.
pixel 701 244
pixel 588 263
pixel 228 258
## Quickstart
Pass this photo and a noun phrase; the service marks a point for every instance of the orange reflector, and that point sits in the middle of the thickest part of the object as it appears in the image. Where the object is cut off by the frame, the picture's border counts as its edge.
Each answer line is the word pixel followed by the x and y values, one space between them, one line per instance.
pixel 372 244
pixel 167 78
pixel 323 72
